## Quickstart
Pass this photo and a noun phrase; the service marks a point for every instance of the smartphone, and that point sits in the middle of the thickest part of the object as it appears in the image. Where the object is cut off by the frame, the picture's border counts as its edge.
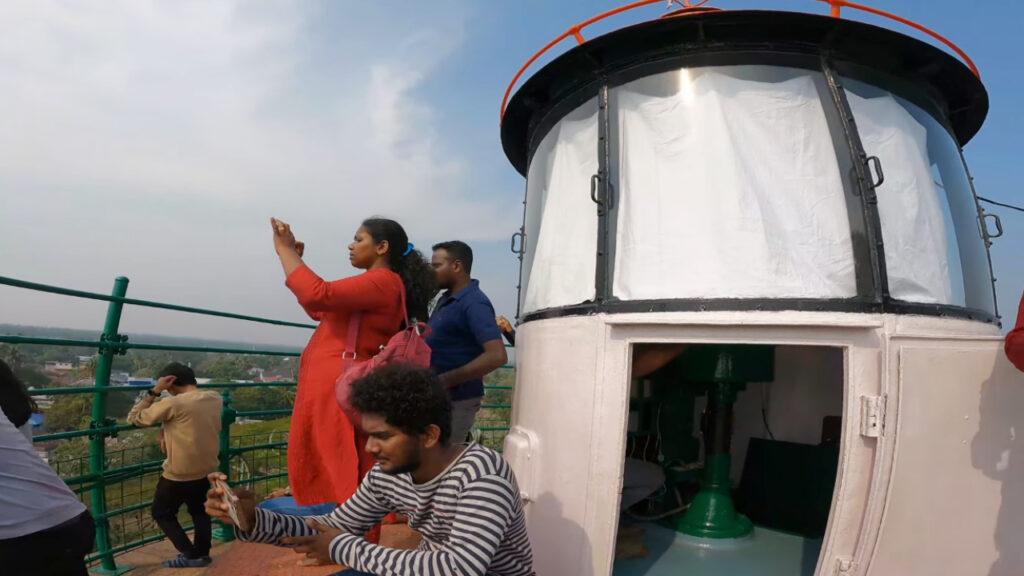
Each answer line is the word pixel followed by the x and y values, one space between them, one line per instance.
pixel 231 500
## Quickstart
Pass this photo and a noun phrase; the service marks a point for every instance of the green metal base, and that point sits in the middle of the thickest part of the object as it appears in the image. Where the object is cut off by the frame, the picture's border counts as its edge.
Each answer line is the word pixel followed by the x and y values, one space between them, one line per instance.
pixel 712 515
pixel 223 532
pixel 112 572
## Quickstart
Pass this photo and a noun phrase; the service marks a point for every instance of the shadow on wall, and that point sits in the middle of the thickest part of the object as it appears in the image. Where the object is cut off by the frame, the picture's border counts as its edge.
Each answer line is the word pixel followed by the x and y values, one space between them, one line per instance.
pixel 560 545
pixel 993 451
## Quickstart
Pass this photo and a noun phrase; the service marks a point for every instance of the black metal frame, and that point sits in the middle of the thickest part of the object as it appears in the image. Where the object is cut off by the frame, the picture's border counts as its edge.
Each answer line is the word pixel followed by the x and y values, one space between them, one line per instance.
pixel 592 78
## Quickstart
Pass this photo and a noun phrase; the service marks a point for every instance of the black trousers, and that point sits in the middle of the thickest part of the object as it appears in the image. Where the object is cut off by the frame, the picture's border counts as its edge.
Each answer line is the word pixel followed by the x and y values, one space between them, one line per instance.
pixel 57 551
pixel 167 500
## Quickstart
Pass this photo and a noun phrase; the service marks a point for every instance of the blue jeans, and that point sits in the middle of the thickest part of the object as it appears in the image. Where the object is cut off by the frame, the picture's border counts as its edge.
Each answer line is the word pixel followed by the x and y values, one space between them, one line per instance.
pixel 287 505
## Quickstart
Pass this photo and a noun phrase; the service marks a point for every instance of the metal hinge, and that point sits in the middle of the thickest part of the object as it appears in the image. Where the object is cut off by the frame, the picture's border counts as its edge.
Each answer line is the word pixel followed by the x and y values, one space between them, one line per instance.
pixel 872 416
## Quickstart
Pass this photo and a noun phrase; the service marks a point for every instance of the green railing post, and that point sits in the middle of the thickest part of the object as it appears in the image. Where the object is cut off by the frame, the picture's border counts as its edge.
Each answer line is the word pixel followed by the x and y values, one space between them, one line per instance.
pixel 222 531
pixel 97 451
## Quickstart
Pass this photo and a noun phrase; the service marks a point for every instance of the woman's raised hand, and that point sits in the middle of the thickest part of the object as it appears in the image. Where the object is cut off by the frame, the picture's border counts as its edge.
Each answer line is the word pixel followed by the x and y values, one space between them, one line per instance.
pixel 283 237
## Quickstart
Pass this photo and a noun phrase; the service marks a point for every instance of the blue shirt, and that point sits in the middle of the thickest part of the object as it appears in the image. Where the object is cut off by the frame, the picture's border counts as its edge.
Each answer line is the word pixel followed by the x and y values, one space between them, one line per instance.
pixel 459 326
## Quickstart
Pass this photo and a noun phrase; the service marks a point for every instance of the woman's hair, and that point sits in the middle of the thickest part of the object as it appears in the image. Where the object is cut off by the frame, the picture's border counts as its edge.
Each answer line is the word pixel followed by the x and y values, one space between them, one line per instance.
pixel 17 405
pixel 417 275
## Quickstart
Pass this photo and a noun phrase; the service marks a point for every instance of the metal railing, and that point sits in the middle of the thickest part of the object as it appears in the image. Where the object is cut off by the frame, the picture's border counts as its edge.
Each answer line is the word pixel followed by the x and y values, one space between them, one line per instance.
pixel 246 459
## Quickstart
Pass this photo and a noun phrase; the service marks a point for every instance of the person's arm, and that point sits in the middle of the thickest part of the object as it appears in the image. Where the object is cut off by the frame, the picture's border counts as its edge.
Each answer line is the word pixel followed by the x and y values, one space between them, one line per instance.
pixel 492 358
pixel 480 319
pixel 482 516
pixel 355 517
pixel 149 412
pixel 290 252
pixel 649 358
pixel 363 292
pixel 1015 340
pixel 506 330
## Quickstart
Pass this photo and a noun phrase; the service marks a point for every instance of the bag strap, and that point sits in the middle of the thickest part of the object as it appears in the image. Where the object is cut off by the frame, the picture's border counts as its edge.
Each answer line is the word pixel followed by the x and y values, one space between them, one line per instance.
pixel 353 336
pixel 405 311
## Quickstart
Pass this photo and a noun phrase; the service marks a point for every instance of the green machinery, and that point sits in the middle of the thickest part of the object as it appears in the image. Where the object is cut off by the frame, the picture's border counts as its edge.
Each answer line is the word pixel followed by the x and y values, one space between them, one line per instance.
pixel 664 405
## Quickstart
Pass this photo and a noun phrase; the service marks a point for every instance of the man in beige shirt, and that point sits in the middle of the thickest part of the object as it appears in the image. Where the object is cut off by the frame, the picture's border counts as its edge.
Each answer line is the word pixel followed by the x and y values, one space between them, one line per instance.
pixel 191 424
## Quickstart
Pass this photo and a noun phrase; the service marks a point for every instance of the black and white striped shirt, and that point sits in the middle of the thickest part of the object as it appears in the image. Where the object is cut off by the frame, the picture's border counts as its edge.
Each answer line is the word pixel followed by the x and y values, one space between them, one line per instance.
pixel 470 517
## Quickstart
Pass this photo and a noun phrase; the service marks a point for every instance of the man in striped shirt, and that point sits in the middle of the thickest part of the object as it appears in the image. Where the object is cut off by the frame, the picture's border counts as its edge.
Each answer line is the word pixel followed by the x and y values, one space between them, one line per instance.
pixel 463 500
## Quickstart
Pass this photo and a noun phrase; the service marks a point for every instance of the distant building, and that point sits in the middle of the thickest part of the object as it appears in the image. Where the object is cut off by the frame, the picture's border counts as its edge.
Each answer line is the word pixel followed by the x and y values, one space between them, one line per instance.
pixel 135 381
pixel 53 366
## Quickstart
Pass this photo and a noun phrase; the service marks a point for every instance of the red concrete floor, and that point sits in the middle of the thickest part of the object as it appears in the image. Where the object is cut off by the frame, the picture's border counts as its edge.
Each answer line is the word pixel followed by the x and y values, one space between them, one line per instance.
pixel 242 559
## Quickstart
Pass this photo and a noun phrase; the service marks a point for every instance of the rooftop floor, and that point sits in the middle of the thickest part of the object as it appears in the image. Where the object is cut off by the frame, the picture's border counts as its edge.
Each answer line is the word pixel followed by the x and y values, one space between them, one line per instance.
pixel 240 558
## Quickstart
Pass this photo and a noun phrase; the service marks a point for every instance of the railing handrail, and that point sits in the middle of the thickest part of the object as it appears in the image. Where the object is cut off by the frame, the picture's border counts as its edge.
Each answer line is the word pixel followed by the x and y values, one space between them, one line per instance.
pixel 35 286
pixel 99 475
pixel 576 31
pixel 126 345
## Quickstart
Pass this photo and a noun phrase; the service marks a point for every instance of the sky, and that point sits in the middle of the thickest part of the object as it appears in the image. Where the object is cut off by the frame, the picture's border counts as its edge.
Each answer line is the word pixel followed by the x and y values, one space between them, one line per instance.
pixel 154 140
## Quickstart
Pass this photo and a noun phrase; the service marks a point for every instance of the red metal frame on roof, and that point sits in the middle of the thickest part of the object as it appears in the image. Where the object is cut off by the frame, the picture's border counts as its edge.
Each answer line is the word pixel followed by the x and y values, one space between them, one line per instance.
pixel 689 7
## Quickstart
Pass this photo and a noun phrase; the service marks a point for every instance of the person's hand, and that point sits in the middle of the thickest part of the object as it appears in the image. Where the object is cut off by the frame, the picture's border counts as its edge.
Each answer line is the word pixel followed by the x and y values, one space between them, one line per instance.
pixel 160 440
pixel 164 383
pixel 279 493
pixel 283 237
pixel 504 325
pixel 300 248
pixel 218 509
pixel 316 548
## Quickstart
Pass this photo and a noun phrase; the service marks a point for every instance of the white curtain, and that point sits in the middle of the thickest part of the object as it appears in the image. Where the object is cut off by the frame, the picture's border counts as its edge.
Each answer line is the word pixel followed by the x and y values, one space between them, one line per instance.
pixel 561 220
pixel 910 202
pixel 729 187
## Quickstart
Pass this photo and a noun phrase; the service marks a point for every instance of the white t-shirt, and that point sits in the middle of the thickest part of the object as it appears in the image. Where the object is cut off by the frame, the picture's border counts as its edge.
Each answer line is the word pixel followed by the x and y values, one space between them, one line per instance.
pixel 32 496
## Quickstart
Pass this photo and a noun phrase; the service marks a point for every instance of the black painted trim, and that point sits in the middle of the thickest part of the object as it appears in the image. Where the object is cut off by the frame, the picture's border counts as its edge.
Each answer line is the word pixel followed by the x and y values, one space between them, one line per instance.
pixel 604 200
pixel 579 73
pixel 854 305
pixel 862 181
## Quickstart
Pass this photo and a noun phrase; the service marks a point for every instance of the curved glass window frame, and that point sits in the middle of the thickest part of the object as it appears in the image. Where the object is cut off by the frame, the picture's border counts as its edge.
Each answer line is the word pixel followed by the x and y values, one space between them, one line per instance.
pixel 932 178
pixel 872 285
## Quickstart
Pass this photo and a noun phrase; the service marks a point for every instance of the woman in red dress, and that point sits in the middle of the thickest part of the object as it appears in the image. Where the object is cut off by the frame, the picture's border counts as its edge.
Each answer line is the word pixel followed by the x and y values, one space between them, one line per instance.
pixel 326 459
pixel 1015 340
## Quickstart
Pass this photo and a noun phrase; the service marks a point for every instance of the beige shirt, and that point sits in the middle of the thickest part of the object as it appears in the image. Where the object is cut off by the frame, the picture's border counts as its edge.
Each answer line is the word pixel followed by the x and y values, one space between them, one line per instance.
pixel 191 423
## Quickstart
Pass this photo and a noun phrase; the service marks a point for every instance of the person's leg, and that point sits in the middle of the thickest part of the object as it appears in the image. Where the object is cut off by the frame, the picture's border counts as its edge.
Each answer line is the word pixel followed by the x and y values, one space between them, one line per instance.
pixel 287 505
pixel 640 479
pixel 463 415
pixel 195 499
pixel 167 499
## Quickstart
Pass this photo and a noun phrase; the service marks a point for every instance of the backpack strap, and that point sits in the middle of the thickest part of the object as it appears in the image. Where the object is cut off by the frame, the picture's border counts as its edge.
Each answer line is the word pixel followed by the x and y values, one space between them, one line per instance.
pixel 353 336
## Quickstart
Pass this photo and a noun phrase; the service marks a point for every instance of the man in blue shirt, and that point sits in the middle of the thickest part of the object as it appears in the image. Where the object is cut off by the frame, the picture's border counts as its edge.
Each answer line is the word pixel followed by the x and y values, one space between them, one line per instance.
pixel 465 341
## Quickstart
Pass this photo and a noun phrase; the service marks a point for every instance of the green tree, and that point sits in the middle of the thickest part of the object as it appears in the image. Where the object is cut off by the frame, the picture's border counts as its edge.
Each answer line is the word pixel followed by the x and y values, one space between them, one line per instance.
pixel 12 355
pixel 31 377
pixel 225 367
pixel 70 412
pixel 273 398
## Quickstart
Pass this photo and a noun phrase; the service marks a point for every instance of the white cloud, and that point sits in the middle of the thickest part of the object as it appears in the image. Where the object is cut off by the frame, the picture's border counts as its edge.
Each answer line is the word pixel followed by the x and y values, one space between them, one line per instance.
pixel 154 139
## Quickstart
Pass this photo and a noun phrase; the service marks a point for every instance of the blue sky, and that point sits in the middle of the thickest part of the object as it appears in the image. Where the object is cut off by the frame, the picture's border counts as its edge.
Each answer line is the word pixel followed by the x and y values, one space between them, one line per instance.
pixel 154 139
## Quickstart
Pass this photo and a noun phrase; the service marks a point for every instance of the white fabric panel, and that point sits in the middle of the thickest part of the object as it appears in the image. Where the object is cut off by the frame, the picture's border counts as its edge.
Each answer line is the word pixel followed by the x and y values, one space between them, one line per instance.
pixel 910 204
pixel 561 220
pixel 729 187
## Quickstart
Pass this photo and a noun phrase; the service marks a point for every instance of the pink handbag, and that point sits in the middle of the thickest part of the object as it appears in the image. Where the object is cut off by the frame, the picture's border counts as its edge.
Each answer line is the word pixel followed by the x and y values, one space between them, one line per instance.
pixel 406 347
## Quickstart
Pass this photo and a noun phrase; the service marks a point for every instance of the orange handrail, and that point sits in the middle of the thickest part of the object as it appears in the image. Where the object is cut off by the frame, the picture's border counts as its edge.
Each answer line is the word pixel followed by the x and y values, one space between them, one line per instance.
pixel 573 31
pixel 836 7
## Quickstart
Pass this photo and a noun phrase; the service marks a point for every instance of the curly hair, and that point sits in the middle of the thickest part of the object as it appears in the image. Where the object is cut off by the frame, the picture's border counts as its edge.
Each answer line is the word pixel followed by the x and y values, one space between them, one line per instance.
pixel 407 397
pixel 416 273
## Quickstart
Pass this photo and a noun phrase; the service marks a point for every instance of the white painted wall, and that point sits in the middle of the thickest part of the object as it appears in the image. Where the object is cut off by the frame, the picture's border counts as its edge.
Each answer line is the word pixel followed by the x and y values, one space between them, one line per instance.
pixel 936 491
